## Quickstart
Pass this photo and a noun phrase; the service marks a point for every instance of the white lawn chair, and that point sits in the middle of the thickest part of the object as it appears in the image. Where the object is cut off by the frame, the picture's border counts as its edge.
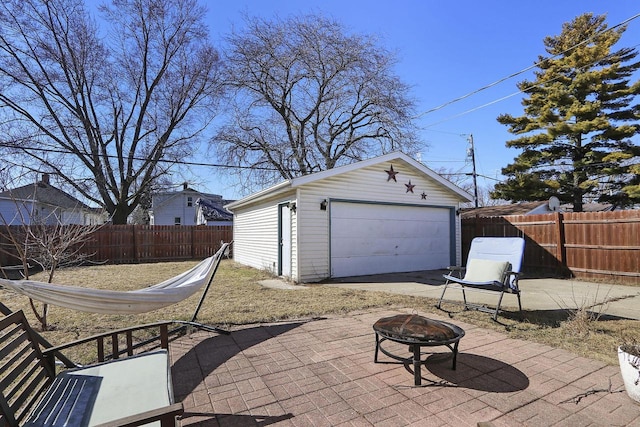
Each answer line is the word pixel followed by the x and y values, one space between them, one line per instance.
pixel 493 265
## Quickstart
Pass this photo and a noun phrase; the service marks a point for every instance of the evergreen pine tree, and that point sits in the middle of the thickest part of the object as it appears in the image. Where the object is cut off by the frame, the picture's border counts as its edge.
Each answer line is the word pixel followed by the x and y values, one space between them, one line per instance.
pixel 580 115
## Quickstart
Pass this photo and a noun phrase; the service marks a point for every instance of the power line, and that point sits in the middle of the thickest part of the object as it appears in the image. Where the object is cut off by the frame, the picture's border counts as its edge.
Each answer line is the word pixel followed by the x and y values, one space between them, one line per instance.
pixel 497 82
pixel 495 101
pixel 468 174
pixel 111 156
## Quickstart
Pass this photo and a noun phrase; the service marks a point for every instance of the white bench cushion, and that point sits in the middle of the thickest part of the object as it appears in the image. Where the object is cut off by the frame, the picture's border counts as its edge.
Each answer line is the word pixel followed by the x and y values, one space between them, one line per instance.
pixel 130 386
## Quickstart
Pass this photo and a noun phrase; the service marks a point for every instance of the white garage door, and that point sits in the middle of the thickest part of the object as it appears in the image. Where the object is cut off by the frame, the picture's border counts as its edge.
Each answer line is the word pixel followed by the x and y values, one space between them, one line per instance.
pixel 374 239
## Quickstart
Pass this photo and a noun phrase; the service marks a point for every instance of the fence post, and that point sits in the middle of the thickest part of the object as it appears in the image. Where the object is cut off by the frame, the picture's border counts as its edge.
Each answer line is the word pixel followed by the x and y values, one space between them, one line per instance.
pixel 561 251
pixel 135 243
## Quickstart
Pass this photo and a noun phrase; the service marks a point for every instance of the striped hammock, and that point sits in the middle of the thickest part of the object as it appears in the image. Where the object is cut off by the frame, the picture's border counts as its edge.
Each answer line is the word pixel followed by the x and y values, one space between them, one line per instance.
pixel 103 301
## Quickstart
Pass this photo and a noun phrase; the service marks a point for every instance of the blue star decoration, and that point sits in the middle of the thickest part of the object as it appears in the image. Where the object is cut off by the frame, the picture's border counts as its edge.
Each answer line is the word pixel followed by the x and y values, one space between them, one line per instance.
pixel 409 187
pixel 391 174
pixel 424 196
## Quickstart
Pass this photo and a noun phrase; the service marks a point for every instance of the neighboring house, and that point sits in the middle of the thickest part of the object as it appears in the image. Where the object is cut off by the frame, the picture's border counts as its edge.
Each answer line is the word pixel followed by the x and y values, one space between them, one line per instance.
pixel 529 208
pixel 43 203
pixel 522 208
pixel 212 212
pixel 181 207
pixel 382 215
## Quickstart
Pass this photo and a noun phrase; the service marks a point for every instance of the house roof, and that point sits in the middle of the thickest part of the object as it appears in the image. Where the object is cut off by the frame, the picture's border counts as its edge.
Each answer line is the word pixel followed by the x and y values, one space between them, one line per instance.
pixel 213 210
pixel 521 208
pixel 43 192
pixel 307 179
pixel 528 208
pixel 162 198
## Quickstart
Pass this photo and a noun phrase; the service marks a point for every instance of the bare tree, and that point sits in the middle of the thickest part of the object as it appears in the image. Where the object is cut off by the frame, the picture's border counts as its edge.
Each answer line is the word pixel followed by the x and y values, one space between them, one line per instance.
pixel 45 242
pixel 109 107
pixel 308 96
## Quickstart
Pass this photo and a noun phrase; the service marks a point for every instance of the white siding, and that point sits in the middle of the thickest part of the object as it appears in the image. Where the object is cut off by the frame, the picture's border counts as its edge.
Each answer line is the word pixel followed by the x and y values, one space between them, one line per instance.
pixel 13 212
pixel 167 207
pixel 255 235
pixel 175 208
pixel 18 212
pixel 295 240
pixel 313 235
pixel 80 216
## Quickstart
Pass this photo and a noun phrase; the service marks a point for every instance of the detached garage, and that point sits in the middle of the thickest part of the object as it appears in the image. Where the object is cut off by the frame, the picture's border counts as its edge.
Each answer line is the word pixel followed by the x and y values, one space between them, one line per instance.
pixel 383 215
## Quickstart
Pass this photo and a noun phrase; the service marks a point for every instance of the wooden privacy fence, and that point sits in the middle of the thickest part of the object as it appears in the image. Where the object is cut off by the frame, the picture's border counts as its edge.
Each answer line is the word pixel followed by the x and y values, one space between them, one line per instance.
pixel 600 246
pixel 142 243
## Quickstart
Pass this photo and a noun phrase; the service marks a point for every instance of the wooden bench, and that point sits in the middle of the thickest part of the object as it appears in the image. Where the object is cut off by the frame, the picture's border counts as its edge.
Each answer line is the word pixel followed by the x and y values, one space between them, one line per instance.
pixel 133 390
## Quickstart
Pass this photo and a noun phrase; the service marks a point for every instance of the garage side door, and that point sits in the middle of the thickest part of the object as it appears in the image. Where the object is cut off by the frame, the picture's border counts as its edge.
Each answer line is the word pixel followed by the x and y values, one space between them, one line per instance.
pixel 374 239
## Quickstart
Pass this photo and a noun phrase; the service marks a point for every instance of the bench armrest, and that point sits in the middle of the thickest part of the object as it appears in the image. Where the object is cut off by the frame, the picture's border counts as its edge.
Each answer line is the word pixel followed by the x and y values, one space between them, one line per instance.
pixel 512 283
pixel 52 353
pixel 456 271
pixel 165 415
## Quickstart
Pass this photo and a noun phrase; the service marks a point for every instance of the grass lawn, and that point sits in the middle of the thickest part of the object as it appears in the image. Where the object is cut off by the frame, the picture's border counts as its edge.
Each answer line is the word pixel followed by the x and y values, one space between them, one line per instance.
pixel 236 298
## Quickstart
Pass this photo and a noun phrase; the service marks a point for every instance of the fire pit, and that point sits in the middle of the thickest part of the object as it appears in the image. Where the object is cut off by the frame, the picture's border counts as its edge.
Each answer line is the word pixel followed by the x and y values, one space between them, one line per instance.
pixel 417 332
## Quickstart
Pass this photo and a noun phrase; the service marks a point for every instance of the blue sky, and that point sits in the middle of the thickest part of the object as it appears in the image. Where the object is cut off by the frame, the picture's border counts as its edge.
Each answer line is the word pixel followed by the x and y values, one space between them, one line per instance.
pixel 446 49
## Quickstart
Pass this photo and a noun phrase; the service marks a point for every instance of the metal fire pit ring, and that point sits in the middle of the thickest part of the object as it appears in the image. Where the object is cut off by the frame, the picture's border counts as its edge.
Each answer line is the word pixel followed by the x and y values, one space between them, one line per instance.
pixel 417 332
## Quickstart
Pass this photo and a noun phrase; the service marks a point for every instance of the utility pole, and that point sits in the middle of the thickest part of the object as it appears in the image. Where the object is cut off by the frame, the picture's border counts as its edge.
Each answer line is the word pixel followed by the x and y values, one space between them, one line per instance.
pixel 472 153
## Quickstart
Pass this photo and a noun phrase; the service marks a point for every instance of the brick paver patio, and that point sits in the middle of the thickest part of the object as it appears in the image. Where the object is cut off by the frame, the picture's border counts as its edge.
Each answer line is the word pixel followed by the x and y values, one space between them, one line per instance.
pixel 321 373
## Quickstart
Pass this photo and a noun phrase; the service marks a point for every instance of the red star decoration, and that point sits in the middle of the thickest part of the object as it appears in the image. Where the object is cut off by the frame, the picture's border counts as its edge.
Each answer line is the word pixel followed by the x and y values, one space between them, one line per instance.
pixel 424 196
pixel 409 187
pixel 391 174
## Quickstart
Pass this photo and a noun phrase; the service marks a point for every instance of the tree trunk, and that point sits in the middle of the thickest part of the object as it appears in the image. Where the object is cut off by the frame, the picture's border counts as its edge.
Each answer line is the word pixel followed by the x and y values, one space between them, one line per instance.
pixel 120 215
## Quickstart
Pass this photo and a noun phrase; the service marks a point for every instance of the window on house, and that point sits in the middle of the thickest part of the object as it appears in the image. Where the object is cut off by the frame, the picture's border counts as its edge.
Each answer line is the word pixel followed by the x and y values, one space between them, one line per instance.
pixel 189 201
pixel 177 220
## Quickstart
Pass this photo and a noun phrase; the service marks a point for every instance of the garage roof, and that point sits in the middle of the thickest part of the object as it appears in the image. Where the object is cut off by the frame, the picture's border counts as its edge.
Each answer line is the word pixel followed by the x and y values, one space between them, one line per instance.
pixel 306 179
